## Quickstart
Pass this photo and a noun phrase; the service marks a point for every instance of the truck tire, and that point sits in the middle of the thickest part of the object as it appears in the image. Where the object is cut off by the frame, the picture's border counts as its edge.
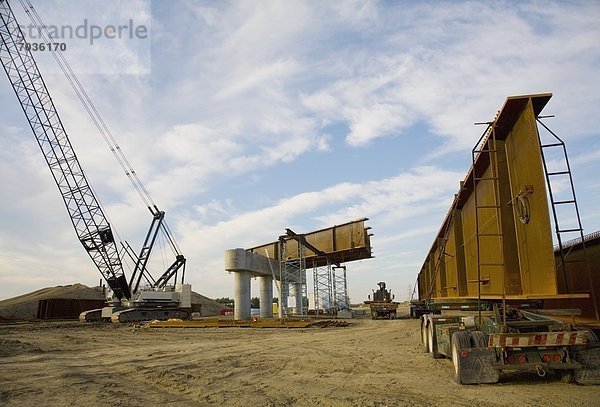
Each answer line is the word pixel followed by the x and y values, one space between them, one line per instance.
pixel 460 340
pixel 567 376
pixel 424 336
pixel 479 339
pixel 589 357
pixel 472 359
pixel 432 342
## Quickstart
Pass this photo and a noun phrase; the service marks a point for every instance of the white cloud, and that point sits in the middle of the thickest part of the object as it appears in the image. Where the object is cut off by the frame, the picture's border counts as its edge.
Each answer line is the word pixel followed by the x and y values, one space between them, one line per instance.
pixel 252 78
pixel 401 197
pixel 586 158
pixel 460 65
pixel 323 142
pixel 392 204
pixel 369 123
pixel 197 143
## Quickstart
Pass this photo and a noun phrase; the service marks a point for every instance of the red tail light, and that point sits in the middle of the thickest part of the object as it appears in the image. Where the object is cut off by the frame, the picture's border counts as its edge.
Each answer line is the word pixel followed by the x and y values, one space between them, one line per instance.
pixel 522 359
pixel 511 359
pixel 557 358
pixel 546 358
pixel 464 354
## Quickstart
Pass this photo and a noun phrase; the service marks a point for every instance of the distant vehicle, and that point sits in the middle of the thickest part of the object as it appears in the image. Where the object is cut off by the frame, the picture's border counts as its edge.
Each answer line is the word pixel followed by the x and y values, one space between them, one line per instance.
pixel 382 306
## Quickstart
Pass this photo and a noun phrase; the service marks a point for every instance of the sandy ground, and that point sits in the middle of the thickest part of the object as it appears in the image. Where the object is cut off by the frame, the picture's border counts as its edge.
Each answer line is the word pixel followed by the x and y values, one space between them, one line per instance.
pixel 369 363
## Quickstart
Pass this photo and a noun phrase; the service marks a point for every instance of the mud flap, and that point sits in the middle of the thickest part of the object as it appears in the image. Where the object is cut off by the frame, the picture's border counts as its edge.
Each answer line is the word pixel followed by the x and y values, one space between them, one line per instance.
pixel 478 366
pixel 590 361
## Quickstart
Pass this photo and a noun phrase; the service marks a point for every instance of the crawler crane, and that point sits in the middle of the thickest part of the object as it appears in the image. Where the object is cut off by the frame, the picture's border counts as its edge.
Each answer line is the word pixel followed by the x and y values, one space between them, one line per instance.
pixel 156 298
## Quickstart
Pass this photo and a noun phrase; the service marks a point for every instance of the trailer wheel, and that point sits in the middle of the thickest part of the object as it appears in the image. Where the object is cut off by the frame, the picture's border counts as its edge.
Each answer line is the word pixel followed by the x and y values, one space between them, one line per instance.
pixel 460 341
pixel 589 357
pixel 479 339
pixel 424 335
pixel 432 341
pixel 567 376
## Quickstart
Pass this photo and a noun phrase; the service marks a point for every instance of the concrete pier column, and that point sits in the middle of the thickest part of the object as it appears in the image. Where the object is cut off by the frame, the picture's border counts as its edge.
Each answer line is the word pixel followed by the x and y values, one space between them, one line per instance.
pixel 266 297
pixel 299 305
pixel 241 295
pixel 285 292
pixel 296 294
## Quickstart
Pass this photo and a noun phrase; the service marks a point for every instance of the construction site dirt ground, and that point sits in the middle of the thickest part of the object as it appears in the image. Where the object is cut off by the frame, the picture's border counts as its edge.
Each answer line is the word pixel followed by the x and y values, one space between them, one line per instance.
pixel 368 363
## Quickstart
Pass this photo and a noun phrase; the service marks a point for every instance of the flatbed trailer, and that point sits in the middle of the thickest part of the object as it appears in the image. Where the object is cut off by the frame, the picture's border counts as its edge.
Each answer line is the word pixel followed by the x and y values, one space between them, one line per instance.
pixel 492 270
pixel 483 343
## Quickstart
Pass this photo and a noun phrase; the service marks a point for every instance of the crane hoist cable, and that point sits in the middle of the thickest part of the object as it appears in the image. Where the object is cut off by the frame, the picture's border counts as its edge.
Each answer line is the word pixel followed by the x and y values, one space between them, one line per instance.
pixel 96 118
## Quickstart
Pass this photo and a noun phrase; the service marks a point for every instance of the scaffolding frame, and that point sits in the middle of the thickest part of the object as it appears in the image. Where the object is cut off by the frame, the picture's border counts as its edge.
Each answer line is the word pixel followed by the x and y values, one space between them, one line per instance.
pixel 341 300
pixel 292 273
pixel 323 288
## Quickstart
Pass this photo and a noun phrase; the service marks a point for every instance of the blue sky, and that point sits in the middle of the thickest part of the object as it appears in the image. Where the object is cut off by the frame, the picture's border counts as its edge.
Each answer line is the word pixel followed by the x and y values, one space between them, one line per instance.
pixel 244 118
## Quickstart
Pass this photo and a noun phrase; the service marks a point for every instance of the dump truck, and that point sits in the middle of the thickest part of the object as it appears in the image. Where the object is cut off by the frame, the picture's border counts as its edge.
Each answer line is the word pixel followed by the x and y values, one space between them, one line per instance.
pixel 485 285
pixel 382 305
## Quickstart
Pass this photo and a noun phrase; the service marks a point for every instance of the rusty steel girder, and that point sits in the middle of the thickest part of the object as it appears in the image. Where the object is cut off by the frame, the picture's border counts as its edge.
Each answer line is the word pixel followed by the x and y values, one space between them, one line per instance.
pixel 496 239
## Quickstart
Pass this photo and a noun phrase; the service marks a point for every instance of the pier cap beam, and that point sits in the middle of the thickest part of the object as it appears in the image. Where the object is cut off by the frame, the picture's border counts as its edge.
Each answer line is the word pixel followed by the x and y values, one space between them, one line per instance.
pixel 237 260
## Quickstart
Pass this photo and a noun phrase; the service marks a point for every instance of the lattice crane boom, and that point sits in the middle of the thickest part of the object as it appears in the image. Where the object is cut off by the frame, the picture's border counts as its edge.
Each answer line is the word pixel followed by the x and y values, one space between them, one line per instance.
pixel 90 223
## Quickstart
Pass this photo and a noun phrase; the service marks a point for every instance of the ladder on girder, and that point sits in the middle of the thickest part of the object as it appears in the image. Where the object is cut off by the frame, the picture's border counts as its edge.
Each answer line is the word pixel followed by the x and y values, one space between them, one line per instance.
pixel 564 208
pixel 487 149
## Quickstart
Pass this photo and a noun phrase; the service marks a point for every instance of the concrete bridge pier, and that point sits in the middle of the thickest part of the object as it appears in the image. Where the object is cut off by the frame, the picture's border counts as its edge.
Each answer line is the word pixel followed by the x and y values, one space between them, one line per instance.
pixel 285 292
pixel 299 305
pixel 245 265
pixel 266 296
pixel 241 295
pixel 296 294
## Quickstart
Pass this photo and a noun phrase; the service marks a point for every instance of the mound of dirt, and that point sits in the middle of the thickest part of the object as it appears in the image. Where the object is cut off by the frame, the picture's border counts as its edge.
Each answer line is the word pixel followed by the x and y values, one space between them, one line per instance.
pixel 25 307
pixel 208 307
